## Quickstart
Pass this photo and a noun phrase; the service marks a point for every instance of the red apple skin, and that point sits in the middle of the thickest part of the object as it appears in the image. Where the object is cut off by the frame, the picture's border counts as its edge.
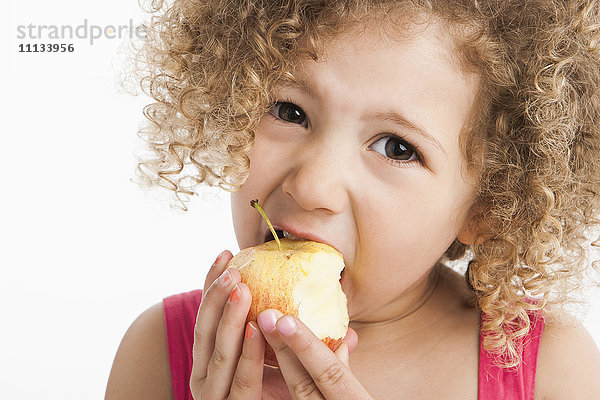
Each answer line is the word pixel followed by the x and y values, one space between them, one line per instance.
pixel 272 281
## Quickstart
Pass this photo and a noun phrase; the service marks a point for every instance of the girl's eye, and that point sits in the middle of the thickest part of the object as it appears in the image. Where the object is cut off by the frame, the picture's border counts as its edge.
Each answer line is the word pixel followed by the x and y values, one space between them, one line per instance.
pixel 396 149
pixel 289 112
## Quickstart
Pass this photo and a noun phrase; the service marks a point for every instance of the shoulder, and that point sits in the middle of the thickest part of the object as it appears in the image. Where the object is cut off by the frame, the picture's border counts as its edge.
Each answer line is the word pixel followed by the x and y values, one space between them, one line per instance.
pixel 141 366
pixel 568 363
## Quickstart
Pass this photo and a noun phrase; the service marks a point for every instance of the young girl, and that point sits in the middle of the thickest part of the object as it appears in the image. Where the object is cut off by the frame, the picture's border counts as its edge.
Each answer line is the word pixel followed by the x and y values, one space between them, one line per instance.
pixel 402 133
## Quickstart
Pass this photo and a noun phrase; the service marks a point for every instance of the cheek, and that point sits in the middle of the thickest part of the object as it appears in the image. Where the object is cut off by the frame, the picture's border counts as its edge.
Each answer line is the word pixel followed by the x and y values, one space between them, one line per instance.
pixel 263 178
pixel 242 219
pixel 411 228
pixel 268 155
pixel 242 214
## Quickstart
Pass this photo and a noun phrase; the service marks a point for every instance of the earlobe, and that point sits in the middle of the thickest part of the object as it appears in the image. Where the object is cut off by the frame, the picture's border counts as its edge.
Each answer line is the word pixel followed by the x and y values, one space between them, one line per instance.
pixel 468 233
pixel 473 226
pixel 473 232
pixel 466 236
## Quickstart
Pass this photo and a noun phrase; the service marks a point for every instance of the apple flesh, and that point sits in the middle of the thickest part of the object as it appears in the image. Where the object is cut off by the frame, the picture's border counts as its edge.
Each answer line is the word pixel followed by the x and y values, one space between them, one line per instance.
pixel 302 279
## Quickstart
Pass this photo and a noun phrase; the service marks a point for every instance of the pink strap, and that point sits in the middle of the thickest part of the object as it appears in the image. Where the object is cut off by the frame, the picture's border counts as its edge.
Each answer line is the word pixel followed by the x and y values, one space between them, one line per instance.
pixel 516 383
pixel 180 318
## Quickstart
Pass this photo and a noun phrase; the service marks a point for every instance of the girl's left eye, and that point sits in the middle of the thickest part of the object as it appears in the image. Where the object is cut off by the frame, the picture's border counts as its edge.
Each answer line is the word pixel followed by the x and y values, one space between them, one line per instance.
pixel 396 149
pixel 289 112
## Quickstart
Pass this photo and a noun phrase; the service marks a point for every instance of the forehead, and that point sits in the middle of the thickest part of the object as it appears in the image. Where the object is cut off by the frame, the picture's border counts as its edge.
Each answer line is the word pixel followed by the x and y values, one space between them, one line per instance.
pixel 423 38
pixel 397 22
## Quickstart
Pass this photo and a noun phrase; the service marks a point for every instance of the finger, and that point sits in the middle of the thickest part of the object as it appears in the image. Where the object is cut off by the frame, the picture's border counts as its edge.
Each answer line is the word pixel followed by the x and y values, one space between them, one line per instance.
pixel 228 344
pixel 211 310
pixel 300 384
pixel 217 268
pixel 208 317
pixel 332 377
pixel 247 381
pixel 342 353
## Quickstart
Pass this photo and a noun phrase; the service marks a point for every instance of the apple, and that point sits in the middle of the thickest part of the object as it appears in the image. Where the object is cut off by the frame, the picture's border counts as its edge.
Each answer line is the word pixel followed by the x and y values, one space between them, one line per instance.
pixel 299 278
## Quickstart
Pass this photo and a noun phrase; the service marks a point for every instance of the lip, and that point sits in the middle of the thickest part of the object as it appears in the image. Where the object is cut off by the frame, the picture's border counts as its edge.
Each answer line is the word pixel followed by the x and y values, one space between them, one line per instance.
pixel 304 234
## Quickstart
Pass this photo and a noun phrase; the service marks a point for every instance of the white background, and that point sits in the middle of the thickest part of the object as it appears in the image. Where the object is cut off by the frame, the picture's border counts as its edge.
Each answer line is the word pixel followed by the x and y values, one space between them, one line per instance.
pixel 83 249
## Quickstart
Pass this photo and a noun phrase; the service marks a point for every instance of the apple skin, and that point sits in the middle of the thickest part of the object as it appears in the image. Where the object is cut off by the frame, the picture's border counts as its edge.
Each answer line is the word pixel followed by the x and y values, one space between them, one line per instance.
pixel 282 279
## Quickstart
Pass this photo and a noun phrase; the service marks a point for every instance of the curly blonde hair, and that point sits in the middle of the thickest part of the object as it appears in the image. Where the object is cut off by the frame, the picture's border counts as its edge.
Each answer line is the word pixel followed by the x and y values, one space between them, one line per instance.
pixel 533 137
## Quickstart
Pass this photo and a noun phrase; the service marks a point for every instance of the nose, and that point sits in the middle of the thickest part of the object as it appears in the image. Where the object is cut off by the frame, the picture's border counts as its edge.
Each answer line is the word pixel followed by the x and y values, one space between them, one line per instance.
pixel 318 178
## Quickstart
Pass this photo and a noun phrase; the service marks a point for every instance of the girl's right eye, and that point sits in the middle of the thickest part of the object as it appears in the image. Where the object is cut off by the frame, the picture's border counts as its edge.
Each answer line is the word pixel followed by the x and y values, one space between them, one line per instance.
pixel 289 112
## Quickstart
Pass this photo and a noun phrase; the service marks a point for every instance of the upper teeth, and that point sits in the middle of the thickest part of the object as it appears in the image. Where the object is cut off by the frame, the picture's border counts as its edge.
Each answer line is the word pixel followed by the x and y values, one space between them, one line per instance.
pixel 290 236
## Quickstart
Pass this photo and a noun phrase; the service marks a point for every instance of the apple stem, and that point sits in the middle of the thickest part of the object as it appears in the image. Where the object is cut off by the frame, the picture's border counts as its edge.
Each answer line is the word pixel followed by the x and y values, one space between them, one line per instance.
pixel 254 203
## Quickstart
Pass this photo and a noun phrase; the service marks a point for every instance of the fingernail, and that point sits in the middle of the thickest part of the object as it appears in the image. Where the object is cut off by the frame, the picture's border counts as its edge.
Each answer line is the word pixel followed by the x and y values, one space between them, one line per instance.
pixel 225 279
pixel 219 257
pixel 267 320
pixel 287 325
pixel 235 294
pixel 250 330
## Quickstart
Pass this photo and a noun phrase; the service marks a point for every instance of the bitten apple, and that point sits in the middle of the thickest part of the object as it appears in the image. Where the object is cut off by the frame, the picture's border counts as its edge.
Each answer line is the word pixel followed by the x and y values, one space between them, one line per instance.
pixel 299 278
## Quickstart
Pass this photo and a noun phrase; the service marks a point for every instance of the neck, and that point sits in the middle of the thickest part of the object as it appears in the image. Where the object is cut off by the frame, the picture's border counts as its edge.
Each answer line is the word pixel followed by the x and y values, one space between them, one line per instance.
pixel 424 304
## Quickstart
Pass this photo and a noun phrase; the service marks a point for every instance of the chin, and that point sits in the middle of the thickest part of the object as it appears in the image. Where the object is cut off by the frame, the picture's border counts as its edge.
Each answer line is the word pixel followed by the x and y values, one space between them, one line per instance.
pixel 302 279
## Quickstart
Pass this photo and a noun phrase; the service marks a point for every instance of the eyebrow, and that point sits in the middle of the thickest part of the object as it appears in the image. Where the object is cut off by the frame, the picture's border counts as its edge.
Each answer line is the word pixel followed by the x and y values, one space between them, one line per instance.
pixel 402 121
pixel 390 116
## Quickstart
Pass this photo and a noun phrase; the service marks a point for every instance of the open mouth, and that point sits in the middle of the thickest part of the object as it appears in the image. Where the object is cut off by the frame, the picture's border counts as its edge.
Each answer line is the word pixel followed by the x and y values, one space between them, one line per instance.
pixel 281 234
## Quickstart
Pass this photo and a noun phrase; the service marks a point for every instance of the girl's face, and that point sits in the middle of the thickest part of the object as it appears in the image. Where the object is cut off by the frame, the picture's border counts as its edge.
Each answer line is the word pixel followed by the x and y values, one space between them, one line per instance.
pixel 364 156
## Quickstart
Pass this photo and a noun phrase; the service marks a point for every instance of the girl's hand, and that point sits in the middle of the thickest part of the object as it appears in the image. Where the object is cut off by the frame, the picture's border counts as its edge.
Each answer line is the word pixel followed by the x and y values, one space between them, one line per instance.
pixel 228 358
pixel 226 365
pixel 310 369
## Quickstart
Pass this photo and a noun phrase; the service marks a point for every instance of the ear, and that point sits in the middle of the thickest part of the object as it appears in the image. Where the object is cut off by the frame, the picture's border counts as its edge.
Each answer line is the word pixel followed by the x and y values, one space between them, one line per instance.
pixel 466 235
pixel 473 226
pixel 470 229
pixel 473 230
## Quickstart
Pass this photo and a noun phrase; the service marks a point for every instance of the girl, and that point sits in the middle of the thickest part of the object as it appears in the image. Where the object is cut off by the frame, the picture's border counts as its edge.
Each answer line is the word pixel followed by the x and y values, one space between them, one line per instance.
pixel 402 133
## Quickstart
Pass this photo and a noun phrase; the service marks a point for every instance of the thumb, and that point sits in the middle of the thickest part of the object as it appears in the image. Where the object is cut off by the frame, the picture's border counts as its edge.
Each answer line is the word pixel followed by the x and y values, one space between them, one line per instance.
pixel 343 354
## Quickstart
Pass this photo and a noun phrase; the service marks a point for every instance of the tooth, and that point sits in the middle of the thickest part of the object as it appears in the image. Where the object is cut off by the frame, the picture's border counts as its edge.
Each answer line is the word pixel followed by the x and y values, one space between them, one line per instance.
pixel 288 235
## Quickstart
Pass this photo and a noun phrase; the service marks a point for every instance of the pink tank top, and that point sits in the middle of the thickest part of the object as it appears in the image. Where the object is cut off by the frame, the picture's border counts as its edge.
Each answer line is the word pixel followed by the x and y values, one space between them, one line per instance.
pixel 494 383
